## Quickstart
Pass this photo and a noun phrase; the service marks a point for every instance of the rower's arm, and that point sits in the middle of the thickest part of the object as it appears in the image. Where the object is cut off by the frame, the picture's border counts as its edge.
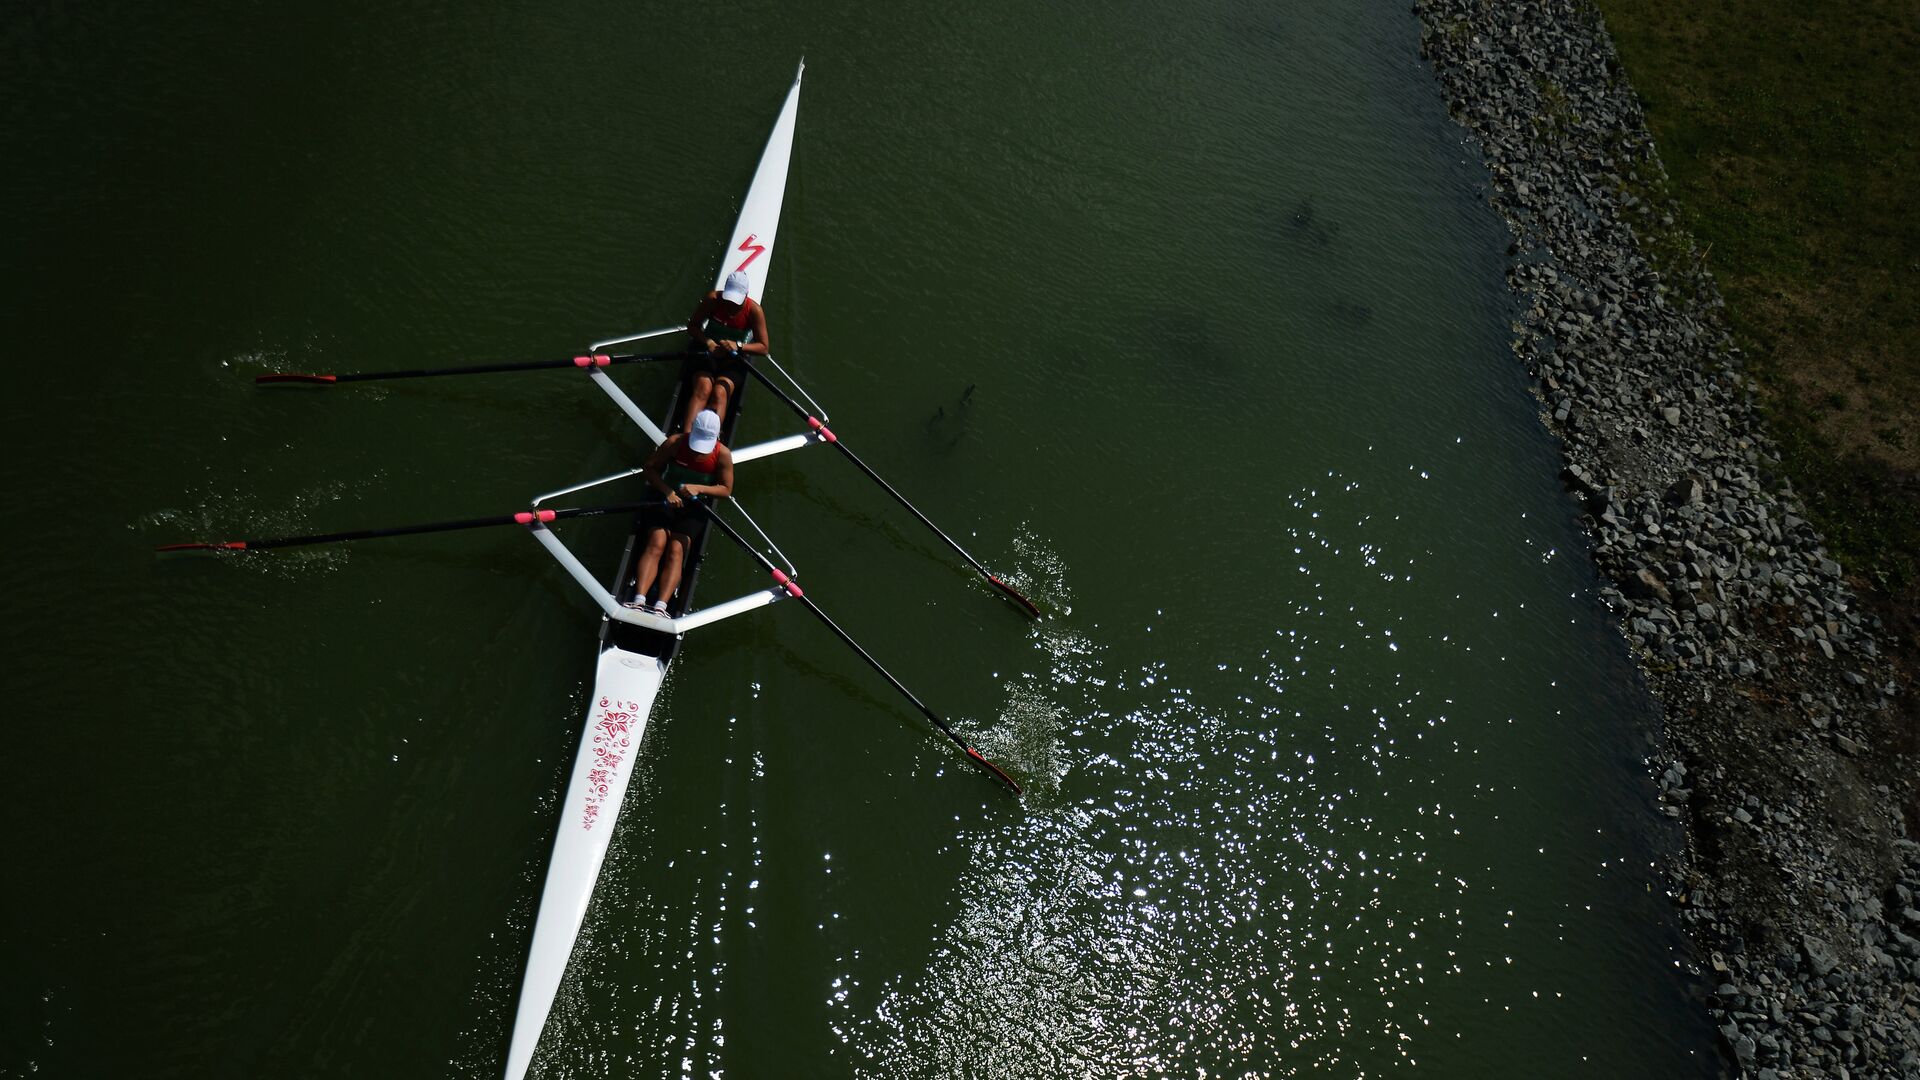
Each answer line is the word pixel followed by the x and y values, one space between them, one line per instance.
pixel 650 469
pixel 697 322
pixel 758 346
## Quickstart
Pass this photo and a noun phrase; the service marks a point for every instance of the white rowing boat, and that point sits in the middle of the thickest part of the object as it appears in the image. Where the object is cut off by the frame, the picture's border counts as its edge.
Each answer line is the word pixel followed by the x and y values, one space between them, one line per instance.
pixel 635 649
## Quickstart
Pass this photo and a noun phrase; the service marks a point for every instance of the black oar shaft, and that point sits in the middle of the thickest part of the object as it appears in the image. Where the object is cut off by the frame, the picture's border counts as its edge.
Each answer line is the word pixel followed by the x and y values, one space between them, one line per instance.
pixel 370 534
pixel 596 360
pixel 523 517
pixel 827 620
pixel 1009 591
pixel 465 369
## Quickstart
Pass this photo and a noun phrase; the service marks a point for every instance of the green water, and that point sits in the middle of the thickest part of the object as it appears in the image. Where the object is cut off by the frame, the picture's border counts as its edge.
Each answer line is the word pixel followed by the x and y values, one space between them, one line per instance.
pixel 1334 763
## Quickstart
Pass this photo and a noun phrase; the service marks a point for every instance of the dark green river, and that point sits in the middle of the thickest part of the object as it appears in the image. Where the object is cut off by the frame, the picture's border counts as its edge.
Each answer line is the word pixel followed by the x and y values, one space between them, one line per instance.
pixel 1188 318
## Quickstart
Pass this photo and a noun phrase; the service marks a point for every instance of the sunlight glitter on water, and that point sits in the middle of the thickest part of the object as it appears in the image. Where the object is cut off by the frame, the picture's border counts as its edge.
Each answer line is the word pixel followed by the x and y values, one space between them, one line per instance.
pixel 1259 865
pixel 1259 858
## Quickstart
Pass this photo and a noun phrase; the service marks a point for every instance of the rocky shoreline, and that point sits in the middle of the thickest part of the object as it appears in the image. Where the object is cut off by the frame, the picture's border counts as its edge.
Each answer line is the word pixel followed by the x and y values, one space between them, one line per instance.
pixel 1780 755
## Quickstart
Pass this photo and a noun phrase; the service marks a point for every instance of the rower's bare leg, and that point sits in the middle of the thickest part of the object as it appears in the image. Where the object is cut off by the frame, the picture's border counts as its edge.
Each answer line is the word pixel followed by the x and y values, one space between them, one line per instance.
pixel 697 395
pixel 649 565
pixel 722 390
pixel 671 565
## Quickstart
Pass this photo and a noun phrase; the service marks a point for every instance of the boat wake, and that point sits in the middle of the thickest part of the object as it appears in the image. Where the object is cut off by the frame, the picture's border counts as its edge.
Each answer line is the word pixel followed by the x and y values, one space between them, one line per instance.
pixel 212 516
pixel 1040 573
pixel 1027 734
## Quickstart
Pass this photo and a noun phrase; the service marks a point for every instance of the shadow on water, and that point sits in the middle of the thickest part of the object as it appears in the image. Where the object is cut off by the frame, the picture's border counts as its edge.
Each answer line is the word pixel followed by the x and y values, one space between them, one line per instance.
pixel 949 423
pixel 1308 227
pixel 1349 315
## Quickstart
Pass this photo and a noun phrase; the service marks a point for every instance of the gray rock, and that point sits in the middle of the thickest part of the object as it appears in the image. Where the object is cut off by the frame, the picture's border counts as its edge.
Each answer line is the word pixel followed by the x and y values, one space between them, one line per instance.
pixel 1644 584
pixel 1820 958
pixel 1685 491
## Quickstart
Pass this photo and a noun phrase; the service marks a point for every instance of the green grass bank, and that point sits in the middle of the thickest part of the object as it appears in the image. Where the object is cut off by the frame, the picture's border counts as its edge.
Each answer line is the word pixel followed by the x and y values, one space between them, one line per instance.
pixel 1788 130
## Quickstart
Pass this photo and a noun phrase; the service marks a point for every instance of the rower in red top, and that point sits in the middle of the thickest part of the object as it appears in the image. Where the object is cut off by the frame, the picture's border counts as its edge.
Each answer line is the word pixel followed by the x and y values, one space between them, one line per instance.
pixel 688 465
pixel 725 325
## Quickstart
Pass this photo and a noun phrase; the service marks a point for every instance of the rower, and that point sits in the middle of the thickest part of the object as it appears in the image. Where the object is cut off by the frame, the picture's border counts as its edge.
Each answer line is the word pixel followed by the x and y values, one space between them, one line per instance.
pixel 688 465
pixel 725 325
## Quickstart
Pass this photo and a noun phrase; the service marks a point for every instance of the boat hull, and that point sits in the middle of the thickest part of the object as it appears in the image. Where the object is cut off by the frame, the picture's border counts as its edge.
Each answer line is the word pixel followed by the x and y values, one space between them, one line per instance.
pixel 624 687
pixel 634 659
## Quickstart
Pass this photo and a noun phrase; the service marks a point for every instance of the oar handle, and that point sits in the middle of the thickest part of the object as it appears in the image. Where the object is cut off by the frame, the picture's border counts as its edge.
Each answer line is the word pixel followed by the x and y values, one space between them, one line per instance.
pixel 592 360
pixel 793 589
pixel 826 435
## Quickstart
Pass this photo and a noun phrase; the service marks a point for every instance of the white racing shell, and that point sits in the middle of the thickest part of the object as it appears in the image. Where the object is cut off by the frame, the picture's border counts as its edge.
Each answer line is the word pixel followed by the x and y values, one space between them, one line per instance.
pixel 750 249
pixel 626 683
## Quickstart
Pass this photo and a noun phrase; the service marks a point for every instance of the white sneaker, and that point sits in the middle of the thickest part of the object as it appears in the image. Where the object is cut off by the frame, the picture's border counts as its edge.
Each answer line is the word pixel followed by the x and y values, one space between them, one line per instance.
pixel 660 608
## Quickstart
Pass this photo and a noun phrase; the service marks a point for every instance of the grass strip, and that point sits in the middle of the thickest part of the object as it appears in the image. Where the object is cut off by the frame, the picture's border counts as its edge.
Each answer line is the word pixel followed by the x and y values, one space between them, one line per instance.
pixel 1788 130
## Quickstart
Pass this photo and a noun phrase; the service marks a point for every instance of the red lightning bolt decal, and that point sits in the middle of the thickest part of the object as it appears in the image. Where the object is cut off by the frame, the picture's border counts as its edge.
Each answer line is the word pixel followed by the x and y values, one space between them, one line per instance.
pixel 748 245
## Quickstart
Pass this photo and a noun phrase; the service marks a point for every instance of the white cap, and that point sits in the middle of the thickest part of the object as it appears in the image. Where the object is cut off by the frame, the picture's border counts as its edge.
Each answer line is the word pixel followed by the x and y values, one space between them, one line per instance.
pixel 736 289
pixel 706 431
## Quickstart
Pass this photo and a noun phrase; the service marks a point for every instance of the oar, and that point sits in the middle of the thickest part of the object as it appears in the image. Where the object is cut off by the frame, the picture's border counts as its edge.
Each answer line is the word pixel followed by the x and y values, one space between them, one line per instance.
pixel 596 360
pixel 814 422
pixel 793 589
pixel 524 517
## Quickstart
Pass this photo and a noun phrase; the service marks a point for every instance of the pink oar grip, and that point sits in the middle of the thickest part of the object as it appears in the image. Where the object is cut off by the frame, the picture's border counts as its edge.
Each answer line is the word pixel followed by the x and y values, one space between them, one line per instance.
pixel 528 517
pixel 817 426
pixel 787 583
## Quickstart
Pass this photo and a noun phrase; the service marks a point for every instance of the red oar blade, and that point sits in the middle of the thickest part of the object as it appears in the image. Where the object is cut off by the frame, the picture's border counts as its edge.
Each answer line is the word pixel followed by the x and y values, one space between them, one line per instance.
pixel 980 760
pixel 290 377
pixel 1016 596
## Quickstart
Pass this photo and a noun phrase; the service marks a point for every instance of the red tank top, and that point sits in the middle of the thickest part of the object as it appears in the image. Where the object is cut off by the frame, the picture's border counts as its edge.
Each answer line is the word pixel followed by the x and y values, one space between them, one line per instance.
pixel 706 464
pixel 737 322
